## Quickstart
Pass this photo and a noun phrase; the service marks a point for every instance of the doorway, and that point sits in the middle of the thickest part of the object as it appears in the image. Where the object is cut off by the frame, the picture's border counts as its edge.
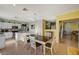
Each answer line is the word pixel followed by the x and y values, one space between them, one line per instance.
pixel 69 32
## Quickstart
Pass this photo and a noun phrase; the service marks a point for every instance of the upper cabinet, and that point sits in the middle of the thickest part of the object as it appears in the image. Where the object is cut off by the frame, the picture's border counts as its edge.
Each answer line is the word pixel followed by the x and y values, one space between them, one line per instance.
pixel 25 27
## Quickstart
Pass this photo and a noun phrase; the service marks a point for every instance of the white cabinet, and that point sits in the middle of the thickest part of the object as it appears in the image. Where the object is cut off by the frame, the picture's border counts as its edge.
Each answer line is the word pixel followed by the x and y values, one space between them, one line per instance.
pixel 32 42
pixel 19 25
pixel 0 25
pixel 4 25
pixel 2 41
pixel 8 35
pixel 17 36
pixel 20 36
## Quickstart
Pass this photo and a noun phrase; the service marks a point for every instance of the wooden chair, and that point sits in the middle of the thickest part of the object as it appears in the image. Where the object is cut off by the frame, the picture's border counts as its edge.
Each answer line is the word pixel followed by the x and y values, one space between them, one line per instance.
pixel 51 45
pixel 33 44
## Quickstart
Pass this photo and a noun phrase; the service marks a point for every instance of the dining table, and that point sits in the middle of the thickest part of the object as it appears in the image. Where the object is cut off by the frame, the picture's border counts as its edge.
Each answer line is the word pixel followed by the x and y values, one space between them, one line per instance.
pixel 43 43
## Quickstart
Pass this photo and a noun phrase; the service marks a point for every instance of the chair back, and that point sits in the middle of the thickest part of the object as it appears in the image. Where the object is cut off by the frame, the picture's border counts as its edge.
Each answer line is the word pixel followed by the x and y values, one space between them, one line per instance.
pixel 32 42
pixel 53 41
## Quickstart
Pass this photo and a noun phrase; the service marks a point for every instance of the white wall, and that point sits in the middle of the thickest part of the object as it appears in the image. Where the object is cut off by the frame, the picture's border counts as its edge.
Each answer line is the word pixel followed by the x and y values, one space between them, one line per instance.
pixel 38 27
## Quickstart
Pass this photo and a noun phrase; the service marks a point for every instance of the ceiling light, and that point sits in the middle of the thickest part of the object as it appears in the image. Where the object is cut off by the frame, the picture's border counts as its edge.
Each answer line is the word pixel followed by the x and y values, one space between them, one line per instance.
pixel 24 9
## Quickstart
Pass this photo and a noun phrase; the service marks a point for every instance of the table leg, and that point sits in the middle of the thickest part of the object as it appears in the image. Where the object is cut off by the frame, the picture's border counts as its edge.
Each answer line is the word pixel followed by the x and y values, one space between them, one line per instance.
pixel 44 49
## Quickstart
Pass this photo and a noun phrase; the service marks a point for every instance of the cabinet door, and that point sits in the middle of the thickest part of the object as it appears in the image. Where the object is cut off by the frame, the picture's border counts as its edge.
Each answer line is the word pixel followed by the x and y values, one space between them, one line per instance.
pixel 32 42
pixel 3 25
pixel 0 25
pixel 2 42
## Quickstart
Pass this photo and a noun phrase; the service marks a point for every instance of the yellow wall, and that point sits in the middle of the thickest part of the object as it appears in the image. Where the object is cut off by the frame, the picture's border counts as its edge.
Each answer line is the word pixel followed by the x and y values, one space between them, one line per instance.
pixel 74 27
pixel 68 16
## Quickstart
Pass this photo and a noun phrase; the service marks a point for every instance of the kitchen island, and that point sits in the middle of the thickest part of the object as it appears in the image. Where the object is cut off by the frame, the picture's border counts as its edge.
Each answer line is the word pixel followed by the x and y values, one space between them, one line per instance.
pixel 2 41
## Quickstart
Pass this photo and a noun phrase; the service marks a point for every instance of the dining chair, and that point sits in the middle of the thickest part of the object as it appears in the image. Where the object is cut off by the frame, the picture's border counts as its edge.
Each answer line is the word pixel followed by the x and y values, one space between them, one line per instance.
pixel 33 44
pixel 51 45
pixel 27 39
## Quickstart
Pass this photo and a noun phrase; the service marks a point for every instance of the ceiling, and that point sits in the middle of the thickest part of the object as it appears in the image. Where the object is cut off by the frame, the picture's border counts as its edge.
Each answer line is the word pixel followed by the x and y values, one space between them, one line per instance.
pixel 35 11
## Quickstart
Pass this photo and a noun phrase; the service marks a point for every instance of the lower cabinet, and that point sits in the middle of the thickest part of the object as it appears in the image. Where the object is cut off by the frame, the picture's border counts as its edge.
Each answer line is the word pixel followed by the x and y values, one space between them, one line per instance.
pixel 2 41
